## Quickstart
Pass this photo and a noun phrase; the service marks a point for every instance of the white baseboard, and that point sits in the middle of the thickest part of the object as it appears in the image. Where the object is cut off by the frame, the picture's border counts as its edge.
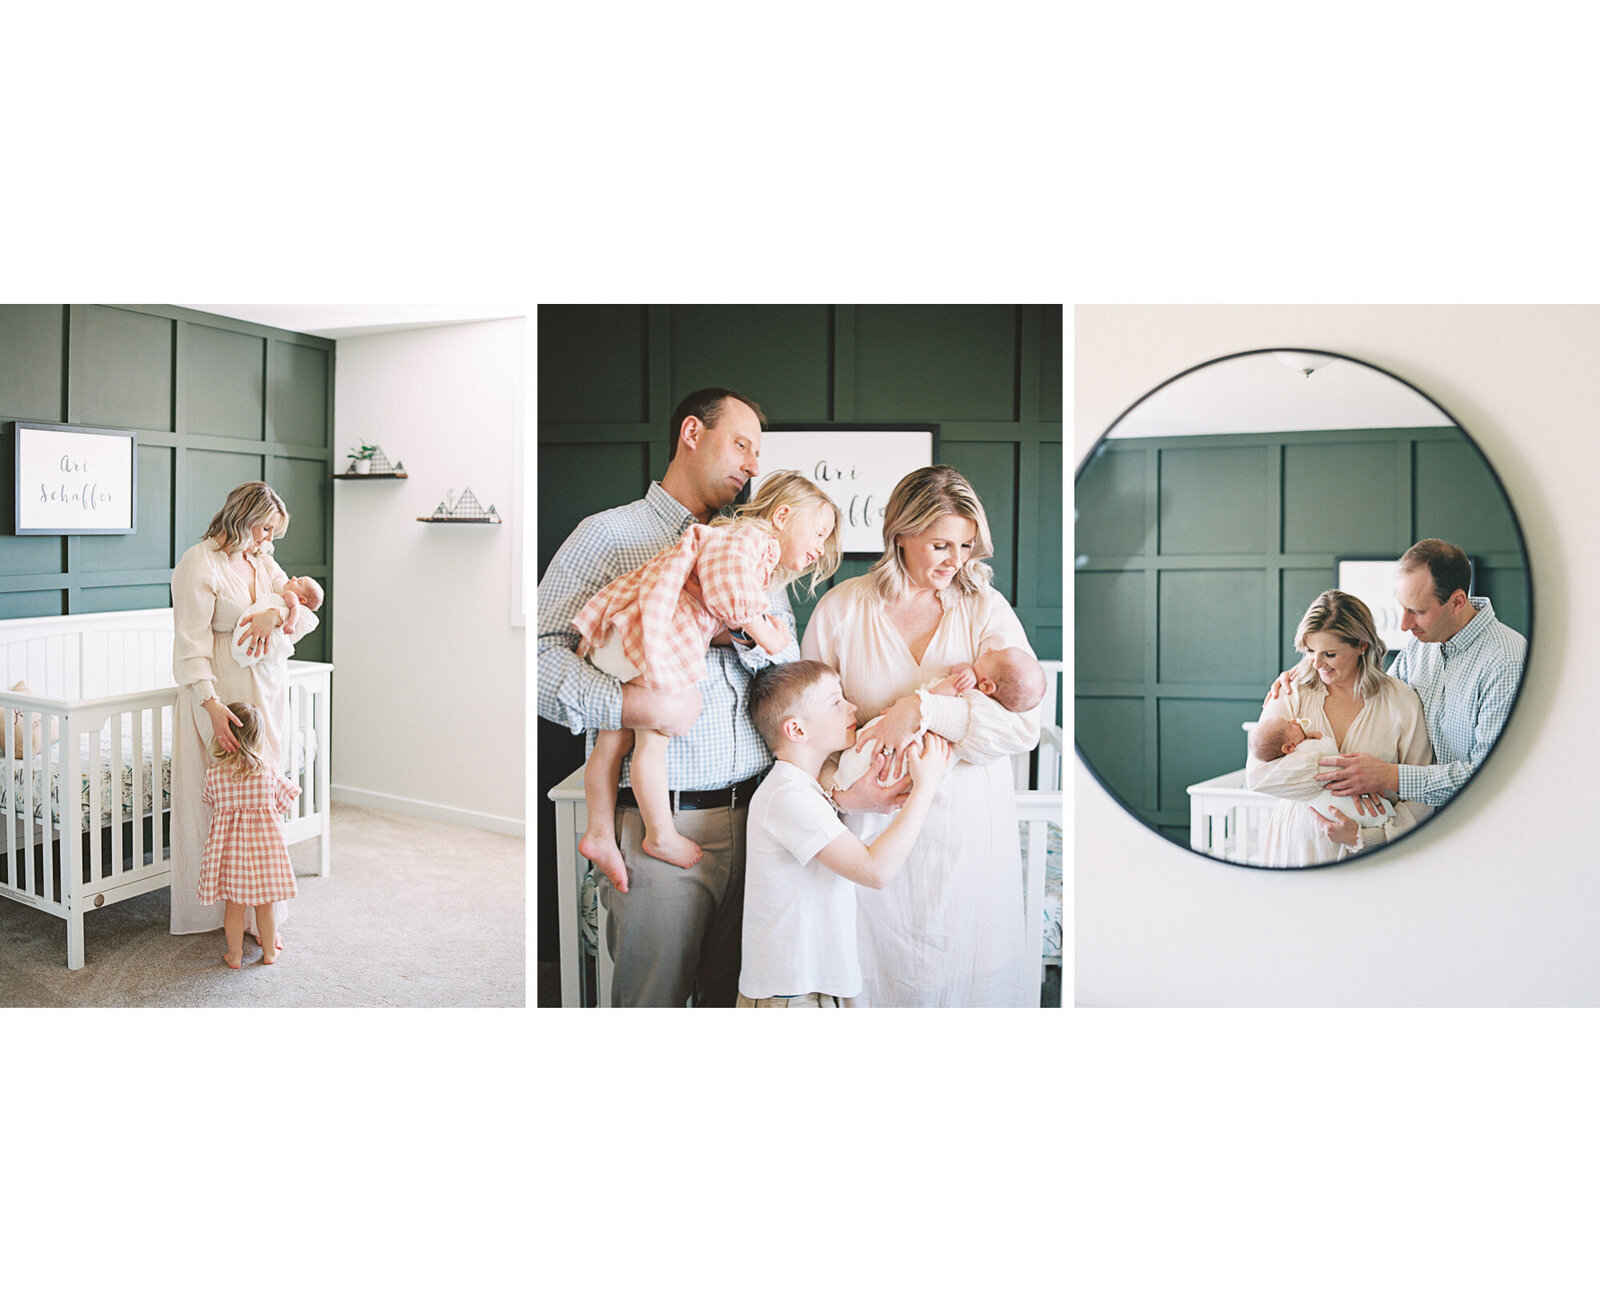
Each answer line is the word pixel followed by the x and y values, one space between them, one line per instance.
pixel 514 828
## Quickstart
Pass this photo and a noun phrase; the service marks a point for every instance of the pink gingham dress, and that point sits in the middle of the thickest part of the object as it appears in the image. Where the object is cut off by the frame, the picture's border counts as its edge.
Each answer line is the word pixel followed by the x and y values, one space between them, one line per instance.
pixel 669 610
pixel 246 860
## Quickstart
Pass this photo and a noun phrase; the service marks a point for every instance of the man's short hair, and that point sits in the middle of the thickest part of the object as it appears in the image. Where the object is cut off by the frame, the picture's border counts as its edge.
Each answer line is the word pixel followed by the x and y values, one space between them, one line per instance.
pixel 777 691
pixel 706 405
pixel 1446 564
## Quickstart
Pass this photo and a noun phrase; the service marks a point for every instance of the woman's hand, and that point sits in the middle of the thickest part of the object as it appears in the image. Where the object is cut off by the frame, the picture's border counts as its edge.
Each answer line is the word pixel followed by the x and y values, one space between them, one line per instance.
pixel 222 720
pixel 894 732
pixel 259 634
pixel 1336 827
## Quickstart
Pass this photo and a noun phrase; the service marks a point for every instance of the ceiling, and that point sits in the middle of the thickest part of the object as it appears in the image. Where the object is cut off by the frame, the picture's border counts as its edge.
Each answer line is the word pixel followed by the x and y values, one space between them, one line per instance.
pixel 340 321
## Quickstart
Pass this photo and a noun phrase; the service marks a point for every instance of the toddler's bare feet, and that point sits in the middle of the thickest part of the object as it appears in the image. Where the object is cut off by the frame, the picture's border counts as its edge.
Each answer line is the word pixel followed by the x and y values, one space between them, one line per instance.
pixel 277 941
pixel 269 957
pixel 673 848
pixel 233 962
pixel 604 854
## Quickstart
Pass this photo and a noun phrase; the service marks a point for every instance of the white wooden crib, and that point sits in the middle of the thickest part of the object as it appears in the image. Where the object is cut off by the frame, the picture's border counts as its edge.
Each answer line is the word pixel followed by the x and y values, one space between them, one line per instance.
pixel 1037 777
pixel 87 752
pixel 1227 819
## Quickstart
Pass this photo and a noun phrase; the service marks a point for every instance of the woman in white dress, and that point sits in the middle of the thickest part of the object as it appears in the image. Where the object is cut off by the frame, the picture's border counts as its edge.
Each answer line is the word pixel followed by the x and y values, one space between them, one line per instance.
pixel 950 931
pixel 229 569
pixel 1340 689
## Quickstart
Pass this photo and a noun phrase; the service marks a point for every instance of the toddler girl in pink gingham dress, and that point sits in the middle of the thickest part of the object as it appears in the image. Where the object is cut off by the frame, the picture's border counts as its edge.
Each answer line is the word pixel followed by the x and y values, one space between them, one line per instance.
pixel 655 624
pixel 246 860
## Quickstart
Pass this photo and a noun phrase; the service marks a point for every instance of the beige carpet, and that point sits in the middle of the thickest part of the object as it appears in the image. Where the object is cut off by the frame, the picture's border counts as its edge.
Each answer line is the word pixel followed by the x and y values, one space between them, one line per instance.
pixel 415 913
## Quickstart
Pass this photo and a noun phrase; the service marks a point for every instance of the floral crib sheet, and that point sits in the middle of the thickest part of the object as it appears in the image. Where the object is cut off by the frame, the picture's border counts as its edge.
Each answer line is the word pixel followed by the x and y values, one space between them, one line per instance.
pixel 14 785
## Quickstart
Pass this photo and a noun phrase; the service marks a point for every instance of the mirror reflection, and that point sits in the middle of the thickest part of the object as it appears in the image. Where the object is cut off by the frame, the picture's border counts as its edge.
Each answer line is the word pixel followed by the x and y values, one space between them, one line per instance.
pixel 1302 609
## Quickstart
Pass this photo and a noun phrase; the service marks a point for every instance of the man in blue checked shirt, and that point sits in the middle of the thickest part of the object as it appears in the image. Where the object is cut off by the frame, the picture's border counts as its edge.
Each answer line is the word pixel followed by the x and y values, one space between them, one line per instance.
pixel 675 932
pixel 1466 667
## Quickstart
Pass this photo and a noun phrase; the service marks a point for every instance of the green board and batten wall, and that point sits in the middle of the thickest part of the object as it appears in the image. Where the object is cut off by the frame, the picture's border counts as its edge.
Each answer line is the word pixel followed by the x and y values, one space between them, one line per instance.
pixel 215 402
pixel 988 375
pixel 1188 593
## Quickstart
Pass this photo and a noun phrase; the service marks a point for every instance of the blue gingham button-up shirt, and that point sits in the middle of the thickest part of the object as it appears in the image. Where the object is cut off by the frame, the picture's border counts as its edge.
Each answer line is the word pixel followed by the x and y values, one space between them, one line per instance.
pixel 723 747
pixel 1467 686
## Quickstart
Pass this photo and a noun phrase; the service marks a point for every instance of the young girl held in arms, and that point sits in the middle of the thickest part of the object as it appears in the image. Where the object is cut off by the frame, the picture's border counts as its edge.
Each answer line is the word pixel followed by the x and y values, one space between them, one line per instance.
pixel 246 861
pixel 655 624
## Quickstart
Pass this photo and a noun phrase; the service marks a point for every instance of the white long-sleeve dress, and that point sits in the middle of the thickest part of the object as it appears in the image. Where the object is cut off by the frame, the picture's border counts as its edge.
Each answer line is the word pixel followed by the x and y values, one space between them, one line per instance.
pixel 950 929
pixel 208 597
pixel 1389 726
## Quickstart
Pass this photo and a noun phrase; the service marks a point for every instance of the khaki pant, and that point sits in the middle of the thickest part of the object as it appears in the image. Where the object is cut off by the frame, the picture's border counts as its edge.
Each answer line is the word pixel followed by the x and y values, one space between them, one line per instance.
pixel 813 1000
pixel 675 932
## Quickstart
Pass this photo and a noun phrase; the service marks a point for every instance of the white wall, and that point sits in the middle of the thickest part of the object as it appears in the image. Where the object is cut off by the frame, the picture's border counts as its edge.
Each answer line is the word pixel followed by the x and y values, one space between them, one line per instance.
pixel 1498 902
pixel 428 687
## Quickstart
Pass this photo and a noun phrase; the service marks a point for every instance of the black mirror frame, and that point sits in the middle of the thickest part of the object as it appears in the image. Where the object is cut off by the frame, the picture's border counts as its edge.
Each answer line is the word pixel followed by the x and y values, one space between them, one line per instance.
pixel 1522 546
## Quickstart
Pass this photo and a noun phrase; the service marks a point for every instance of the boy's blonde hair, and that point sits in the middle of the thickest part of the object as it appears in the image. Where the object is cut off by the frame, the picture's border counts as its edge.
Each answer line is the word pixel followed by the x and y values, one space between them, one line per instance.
pixel 920 499
pixel 777 691
pixel 251 732
pixel 247 505
pixel 788 487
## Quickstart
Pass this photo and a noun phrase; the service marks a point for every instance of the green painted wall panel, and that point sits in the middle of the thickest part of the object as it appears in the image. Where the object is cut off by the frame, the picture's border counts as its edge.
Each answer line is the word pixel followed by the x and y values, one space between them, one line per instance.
pixel 1109 630
pixel 1050 356
pixel 1115 519
pixel 1114 728
pixel 1200 739
pixel 121 373
pixel 922 363
pixel 1045 559
pixel 150 545
pixel 991 468
pixel 1457 499
pixel 592 365
pixel 1298 588
pixel 297 389
pixel 1212 623
pixel 146 596
pixel 569 491
pixel 1507 589
pixel 1211 501
pixel 777 354
pixel 32 377
pixel 33 604
pixel 211 475
pixel 224 382
pixel 1346 492
pixel 308 492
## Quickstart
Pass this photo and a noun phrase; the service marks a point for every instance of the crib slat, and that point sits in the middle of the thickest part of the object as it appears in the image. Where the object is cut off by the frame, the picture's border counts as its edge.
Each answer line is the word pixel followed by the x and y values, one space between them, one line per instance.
pixel 118 721
pixel 11 801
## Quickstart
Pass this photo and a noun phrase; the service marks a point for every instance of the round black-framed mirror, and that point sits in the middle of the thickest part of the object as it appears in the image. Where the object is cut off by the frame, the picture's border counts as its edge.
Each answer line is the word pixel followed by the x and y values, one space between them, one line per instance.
pixel 1243 503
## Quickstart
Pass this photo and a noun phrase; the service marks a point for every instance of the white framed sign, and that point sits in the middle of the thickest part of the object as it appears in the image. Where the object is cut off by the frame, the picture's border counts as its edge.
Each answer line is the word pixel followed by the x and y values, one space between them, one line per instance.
pixel 73 480
pixel 857 465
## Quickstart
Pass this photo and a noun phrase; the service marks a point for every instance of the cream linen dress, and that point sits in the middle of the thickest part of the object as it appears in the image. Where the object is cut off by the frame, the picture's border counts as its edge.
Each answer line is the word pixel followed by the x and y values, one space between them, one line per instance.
pixel 1389 726
pixel 207 599
pixel 950 929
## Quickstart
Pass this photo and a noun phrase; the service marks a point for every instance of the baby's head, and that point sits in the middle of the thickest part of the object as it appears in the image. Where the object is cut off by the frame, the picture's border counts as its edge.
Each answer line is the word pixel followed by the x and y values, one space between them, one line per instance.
pixel 308 590
pixel 1276 737
pixel 801 700
pixel 1011 676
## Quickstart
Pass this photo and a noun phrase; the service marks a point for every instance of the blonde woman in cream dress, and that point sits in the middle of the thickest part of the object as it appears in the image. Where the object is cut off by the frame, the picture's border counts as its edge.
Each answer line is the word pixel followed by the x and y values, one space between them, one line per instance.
pixel 950 931
pixel 1341 690
pixel 216 580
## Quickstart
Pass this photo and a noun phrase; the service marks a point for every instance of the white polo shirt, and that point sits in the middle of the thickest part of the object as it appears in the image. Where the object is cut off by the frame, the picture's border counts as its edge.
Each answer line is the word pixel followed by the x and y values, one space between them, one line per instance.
pixel 799 931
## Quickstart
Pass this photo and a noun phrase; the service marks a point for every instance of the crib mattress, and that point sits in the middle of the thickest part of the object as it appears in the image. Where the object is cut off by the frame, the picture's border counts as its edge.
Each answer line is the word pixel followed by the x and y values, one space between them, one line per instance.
pixel 1053 932
pixel 14 793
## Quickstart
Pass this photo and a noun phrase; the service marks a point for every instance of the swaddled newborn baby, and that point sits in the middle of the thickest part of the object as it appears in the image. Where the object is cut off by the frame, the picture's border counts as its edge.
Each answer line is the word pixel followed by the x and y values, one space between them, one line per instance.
pixel 1295 737
pixel 1008 675
pixel 284 603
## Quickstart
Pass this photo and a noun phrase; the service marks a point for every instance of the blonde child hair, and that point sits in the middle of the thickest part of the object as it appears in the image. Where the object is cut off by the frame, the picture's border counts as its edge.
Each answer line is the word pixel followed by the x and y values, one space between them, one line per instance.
pixel 251 733
pixel 788 487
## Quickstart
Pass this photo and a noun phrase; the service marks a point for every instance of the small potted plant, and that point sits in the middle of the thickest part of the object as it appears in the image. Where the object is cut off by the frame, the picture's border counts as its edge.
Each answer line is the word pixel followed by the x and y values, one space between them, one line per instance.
pixel 361 458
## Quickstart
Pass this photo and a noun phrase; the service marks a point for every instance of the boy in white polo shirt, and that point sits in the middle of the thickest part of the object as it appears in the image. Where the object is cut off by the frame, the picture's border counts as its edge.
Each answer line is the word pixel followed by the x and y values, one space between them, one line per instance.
pixel 801 862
